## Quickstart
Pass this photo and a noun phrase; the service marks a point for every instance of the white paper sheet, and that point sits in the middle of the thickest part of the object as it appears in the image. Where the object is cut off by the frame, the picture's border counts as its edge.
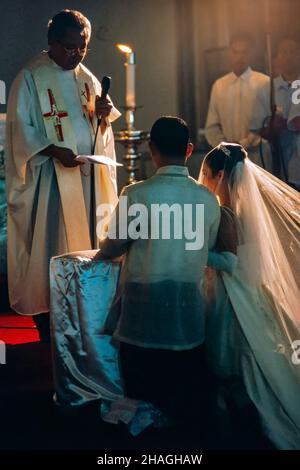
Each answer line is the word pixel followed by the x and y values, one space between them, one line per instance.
pixel 102 159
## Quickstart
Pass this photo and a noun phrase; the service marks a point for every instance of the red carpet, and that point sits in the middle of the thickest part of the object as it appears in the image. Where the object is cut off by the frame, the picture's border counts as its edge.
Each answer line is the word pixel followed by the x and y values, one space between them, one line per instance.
pixel 17 329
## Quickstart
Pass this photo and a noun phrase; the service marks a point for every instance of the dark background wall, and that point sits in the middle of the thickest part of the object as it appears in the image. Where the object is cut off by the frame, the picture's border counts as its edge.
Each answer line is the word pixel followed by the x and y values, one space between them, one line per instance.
pixel 147 25
pixel 181 46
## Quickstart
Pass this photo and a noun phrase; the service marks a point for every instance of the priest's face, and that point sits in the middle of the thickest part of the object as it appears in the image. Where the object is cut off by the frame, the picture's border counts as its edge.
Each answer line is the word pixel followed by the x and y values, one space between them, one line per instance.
pixel 70 50
pixel 240 56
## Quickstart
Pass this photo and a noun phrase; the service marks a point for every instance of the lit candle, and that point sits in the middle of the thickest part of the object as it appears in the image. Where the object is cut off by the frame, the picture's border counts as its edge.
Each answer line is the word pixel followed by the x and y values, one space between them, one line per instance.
pixel 130 74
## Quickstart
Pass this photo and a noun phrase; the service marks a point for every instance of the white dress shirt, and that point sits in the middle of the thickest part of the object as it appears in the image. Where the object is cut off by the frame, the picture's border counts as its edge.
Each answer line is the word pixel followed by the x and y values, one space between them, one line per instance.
pixel 231 108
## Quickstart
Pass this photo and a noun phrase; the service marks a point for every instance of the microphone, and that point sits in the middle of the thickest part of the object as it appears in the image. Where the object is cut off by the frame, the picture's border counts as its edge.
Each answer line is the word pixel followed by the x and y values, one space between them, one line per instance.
pixel 105 86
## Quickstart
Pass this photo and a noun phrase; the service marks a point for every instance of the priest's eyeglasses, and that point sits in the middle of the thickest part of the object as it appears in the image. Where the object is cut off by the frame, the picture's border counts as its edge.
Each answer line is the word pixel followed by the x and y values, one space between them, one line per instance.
pixel 71 51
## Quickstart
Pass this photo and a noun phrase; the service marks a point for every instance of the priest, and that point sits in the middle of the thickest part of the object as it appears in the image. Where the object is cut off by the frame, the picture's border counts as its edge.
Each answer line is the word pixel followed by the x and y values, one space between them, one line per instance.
pixel 53 109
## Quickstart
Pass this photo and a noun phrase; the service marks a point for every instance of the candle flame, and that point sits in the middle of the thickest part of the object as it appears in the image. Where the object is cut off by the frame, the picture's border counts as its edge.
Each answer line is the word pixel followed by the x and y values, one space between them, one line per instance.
pixel 124 48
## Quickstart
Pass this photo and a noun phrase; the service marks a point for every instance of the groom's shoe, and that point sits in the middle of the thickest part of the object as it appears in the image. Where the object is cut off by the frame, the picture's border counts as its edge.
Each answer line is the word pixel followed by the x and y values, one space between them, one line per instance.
pixel 233 395
pixel 42 323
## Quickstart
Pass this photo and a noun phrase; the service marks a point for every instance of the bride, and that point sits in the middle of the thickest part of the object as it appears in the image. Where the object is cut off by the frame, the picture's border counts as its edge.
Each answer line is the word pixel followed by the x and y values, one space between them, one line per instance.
pixel 253 320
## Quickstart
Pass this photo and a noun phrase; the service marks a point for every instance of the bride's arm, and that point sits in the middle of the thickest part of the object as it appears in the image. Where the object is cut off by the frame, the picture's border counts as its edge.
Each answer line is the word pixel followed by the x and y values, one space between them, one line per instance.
pixel 224 261
pixel 224 257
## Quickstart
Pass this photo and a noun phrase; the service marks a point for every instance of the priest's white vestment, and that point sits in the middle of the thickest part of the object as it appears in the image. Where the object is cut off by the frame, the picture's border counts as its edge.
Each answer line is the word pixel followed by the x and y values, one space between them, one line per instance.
pixel 49 205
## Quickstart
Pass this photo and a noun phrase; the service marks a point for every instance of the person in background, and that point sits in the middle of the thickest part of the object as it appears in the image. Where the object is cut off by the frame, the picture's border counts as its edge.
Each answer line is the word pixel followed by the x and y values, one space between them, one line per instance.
pixel 232 101
pixel 283 130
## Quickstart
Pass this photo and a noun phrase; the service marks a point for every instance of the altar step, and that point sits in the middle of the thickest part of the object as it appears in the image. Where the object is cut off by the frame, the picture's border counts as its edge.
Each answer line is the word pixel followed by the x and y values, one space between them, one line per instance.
pixel 17 329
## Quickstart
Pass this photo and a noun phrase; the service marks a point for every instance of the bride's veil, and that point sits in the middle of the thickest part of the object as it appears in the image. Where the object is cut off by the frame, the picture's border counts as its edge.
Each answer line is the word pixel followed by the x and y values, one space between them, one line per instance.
pixel 267 213
pixel 264 291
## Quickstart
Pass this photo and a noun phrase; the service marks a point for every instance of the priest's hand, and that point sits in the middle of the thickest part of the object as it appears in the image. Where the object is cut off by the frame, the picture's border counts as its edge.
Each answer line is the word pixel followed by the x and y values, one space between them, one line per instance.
pixel 64 155
pixel 103 107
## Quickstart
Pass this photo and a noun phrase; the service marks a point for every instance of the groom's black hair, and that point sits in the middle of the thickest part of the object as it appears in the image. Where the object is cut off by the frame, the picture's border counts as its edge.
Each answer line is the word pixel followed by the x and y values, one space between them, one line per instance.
pixel 224 157
pixel 170 135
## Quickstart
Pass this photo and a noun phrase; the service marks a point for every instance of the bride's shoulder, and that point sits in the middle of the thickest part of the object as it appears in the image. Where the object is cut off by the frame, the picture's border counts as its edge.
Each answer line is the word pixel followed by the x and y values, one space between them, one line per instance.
pixel 204 191
pixel 227 213
pixel 227 236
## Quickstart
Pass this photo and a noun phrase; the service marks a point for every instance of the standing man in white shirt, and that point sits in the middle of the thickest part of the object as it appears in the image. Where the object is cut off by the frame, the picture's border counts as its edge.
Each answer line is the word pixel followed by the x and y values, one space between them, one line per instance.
pixel 161 328
pixel 231 103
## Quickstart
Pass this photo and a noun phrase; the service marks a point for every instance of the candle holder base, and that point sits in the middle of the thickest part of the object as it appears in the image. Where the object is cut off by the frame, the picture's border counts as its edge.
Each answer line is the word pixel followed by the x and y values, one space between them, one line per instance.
pixel 131 139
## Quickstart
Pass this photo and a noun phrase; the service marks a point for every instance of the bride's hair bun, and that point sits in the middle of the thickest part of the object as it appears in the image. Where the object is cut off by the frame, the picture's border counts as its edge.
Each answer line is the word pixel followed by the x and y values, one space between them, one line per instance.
pixel 225 157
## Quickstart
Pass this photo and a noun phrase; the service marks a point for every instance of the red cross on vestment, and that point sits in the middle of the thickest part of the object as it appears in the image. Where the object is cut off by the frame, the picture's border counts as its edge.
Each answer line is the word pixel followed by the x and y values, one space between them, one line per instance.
pixel 56 116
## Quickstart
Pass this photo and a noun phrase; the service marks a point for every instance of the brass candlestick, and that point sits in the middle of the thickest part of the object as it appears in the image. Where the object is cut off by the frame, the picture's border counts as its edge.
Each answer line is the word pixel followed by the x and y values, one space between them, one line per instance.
pixel 131 139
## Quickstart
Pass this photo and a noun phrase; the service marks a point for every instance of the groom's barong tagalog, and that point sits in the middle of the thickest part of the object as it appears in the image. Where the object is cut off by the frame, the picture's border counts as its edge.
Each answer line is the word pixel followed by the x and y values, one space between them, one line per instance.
pixel 161 327
pixel 161 280
pixel 161 322
pixel 49 205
